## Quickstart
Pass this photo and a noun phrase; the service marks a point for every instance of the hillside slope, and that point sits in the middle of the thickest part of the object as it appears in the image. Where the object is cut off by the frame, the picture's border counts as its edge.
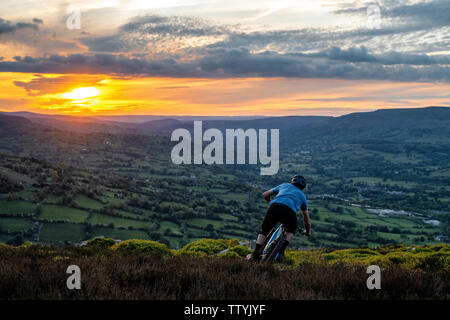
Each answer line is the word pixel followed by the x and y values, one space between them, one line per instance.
pixel 430 124
pixel 147 270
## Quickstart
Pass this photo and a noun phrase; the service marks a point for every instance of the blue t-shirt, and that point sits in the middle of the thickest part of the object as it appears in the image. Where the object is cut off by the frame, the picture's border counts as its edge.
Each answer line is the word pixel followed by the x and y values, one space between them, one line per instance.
pixel 291 196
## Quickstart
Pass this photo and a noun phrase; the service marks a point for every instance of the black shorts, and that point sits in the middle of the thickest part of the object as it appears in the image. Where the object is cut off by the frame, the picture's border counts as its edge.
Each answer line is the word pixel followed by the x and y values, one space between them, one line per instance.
pixel 278 212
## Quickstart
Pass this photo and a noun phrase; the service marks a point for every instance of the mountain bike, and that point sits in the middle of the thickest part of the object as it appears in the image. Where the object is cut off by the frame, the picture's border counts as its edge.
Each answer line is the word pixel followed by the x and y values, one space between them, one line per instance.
pixel 273 244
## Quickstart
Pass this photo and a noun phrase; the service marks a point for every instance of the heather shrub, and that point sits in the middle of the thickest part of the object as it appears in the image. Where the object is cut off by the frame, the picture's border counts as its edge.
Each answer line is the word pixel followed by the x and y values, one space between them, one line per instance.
pixel 229 254
pixel 134 269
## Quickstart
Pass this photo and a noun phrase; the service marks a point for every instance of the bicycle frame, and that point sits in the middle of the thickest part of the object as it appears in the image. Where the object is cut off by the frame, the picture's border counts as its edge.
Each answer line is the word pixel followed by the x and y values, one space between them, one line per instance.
pixel 273 243
pixel 273 235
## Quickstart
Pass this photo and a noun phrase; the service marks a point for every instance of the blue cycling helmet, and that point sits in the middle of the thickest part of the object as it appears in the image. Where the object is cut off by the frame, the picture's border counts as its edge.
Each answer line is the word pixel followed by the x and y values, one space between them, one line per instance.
pixel 299 181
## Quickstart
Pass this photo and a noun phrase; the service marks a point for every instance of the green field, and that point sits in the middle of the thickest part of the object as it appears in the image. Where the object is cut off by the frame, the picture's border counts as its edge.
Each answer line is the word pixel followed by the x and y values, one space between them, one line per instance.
pixel 16 207
pixel 84 202
pixel 97 218
pixel 164 225
pixel 119 233
pixel 57 232
pixel 60 213
pixel 14 224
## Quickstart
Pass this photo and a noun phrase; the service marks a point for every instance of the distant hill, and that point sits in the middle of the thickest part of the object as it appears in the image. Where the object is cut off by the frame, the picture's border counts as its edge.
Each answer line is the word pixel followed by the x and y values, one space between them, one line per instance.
pixel 147 118
pixel 166 126
pixel 430 124
pixel 162 126
pixel 73 123
pixel 10 125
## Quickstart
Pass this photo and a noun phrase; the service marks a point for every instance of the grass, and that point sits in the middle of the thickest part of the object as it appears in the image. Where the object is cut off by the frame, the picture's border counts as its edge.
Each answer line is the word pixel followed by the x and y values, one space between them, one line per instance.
pixel 60 213
pixel 14 224
pixel 119 233
pixel 227 217
pixel 85 202
pixel 25 194
pixel 163 225
pixel 97 218
pixel 375 180
pixel 128 214
pixel 112 200
pixel 204 222
pixel 52 199
pixel 16 207
pixel 5 237
pixel 56 232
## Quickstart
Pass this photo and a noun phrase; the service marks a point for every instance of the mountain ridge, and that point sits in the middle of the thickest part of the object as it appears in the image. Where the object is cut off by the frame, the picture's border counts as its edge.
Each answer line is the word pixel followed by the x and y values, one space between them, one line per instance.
pixel 412 124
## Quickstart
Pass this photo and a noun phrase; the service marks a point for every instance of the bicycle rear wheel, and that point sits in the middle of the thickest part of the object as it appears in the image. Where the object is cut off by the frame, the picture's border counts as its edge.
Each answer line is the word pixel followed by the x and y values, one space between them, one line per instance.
pixel 274 250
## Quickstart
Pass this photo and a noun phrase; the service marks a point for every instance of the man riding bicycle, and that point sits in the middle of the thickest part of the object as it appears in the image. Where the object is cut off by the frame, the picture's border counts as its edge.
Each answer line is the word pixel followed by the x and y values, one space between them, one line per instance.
pixel 289 198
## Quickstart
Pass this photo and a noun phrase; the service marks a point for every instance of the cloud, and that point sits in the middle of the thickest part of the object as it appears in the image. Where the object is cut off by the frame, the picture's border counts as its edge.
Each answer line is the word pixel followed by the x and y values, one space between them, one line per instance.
pixel 41 85
pixel 9 27
pixel 163 36
pixel 389 58
pixel 157 33
pixel 417 15
pixel 32 39
pixel 174 26
pixel 220 63
pixel 99 64
pixel 178 46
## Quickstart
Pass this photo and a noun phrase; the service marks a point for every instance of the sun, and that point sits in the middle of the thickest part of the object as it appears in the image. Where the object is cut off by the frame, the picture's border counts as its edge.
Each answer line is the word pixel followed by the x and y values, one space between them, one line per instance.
pixel 81 93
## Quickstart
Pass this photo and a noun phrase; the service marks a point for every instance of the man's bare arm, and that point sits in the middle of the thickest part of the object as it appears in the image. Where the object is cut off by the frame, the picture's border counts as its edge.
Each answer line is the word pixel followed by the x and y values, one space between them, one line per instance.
pixel 307 222
pixel 266 195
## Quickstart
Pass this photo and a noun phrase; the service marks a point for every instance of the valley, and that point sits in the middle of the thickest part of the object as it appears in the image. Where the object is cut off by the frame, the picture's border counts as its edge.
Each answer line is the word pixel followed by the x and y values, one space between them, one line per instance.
pixel 367 187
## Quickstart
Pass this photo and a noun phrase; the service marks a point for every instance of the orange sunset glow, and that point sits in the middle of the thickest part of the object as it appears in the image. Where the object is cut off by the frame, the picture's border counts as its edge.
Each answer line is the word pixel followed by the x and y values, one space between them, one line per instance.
pixel 102 94
pixel 81 93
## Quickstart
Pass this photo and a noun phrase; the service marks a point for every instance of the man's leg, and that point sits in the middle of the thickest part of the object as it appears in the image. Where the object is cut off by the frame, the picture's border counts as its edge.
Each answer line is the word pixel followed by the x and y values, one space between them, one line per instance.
pixel 258 247
pixel 289 237
pixel 267 225
pixel 289 219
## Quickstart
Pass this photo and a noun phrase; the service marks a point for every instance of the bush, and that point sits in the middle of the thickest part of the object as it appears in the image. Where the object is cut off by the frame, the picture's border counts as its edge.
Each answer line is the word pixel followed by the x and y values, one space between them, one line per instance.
pixel 16 241
pixel 208 246
pixel 152 248
pixel 311 259
pixel 240 250
pixel 26 244
pixel 101 242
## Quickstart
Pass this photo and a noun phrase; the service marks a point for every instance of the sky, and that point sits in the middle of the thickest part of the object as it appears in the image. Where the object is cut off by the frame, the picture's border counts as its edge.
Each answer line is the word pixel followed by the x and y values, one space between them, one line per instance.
pixel 228 57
